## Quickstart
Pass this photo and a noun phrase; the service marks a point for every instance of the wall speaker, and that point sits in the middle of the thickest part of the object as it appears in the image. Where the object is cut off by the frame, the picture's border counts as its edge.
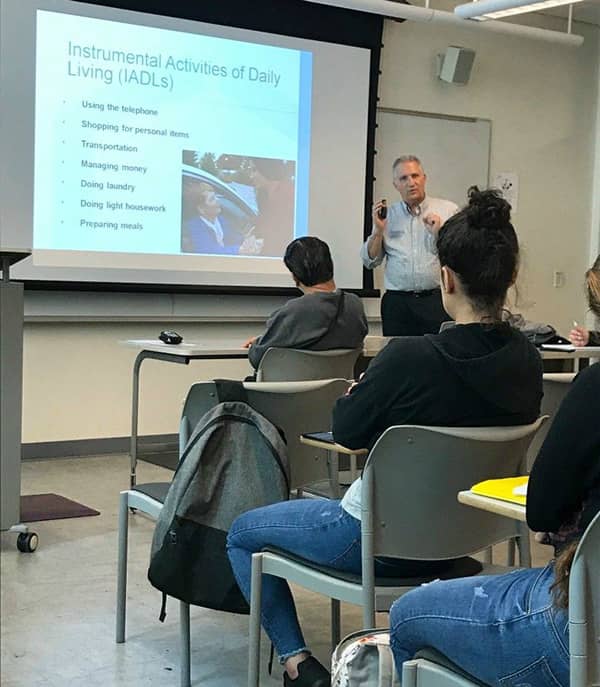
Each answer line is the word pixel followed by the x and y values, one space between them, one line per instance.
pixel 456 64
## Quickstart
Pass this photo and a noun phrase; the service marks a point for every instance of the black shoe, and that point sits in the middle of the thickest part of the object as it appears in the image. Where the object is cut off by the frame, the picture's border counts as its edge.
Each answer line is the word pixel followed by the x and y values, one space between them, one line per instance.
pixel 310 674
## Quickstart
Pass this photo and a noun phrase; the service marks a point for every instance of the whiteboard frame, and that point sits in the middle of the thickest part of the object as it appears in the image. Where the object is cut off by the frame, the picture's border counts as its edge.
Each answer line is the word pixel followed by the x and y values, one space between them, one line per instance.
pixel 436 115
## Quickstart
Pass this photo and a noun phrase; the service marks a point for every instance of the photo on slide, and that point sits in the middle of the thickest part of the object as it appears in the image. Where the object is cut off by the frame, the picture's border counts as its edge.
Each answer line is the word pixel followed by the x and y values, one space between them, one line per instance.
pixel 236 205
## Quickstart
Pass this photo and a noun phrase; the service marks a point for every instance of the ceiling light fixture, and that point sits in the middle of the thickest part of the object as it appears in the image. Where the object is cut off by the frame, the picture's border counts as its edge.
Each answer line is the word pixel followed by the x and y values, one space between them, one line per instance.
pixel 496 9
pixel 393 9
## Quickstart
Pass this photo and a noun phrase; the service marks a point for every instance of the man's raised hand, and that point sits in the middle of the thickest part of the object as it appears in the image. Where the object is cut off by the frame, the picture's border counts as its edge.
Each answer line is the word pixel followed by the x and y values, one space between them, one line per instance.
pixel 433 222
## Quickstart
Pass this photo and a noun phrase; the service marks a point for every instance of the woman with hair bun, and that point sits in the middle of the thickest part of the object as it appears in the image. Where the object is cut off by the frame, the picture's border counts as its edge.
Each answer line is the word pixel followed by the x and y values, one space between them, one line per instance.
pixel 478 373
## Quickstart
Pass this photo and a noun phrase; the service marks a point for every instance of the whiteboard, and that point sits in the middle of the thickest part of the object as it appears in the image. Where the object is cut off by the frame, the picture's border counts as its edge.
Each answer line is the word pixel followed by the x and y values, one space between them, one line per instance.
pixel 454 151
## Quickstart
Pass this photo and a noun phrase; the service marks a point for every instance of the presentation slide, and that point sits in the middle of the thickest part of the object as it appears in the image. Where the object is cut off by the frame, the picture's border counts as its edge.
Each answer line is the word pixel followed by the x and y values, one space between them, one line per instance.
pixel 167 150
pixel 185 153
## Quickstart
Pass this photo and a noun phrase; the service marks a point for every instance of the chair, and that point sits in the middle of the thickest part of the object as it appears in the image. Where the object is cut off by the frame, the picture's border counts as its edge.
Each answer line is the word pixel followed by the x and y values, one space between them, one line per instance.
pixel 409 511
pixel 431 669
pixel 556 387
pixel 295 407
pixel 290 364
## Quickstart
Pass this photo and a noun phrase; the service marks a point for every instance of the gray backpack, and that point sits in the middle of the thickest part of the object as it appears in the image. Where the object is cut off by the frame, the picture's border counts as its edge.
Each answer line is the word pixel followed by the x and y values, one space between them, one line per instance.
pixel 364 659
pixel 234 460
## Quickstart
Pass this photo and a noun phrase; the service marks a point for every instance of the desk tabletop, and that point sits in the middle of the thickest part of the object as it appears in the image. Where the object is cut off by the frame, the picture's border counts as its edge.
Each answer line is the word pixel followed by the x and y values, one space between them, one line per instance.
pixel 571 352
pixel 497 506
pixel 226 349
pixel 373 344
pixel 371 347
pixel 189 350
pixel 332 446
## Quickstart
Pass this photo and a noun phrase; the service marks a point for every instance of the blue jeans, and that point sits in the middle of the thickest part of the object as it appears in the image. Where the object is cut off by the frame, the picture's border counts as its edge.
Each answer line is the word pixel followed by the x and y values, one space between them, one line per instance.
pixel 502 629
pixel 316 529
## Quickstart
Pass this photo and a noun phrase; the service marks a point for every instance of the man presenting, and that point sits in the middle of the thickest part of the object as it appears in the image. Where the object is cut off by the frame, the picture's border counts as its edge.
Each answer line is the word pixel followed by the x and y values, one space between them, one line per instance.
pixel 406 238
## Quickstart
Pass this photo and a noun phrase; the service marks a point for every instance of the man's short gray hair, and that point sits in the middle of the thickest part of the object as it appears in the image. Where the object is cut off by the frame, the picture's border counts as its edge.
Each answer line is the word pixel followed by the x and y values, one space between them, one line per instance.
pixel 406 158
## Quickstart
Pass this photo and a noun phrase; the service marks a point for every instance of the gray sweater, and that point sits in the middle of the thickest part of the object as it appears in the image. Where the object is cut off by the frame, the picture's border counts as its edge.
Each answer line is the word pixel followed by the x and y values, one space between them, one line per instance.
pixel 309 322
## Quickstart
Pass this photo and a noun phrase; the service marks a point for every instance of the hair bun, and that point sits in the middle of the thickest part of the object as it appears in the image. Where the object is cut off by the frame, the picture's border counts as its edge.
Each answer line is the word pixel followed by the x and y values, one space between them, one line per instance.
pixel 488 209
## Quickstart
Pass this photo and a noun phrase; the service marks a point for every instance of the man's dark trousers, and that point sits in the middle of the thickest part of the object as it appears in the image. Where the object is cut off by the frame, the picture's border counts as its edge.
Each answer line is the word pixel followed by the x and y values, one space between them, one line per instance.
pixel 412 313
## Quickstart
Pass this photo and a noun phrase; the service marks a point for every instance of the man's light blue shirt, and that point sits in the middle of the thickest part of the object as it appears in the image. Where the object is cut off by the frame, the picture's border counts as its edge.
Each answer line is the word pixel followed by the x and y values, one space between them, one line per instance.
pixel 411 262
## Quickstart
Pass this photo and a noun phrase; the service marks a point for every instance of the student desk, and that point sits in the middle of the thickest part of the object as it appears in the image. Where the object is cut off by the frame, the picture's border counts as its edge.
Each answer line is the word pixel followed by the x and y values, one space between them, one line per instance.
pixel 334 451
pixel 511 510
pixel 579 355
pixel 182 354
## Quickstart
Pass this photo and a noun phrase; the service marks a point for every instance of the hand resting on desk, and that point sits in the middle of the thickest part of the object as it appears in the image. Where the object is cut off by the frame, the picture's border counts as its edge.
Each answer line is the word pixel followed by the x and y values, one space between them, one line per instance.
pixel 249 342
pixel 579 336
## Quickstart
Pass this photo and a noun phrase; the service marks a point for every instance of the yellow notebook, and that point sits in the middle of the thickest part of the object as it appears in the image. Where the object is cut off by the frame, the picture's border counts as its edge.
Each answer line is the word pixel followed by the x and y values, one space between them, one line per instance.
pixel 504 489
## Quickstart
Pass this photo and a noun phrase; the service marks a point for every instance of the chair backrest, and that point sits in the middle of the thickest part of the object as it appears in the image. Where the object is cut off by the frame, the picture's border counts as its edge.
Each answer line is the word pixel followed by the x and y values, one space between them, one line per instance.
pixel 291 364
pixel 556 387
pixel 584 609
pixel 412 477
pixel 294 407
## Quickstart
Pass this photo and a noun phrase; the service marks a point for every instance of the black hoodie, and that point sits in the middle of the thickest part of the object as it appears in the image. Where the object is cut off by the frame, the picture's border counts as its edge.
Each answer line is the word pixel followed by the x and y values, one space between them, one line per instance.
pixel 471 375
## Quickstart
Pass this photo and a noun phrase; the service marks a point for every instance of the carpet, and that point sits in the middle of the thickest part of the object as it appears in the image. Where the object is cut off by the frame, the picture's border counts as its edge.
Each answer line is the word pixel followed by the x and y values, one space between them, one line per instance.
pixel 52 507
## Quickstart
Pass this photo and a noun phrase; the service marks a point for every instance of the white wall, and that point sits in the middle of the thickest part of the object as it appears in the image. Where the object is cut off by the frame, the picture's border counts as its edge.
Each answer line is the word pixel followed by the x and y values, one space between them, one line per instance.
pixel 542 100
pixel 77 378
pixel 595 224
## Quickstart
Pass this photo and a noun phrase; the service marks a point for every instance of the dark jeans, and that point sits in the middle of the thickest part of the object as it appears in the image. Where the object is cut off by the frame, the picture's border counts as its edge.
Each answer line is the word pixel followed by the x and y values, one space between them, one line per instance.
pixel 406 313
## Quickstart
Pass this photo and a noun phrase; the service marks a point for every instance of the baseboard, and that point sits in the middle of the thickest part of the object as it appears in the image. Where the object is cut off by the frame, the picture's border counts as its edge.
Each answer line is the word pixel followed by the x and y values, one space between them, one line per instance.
pixel 154 443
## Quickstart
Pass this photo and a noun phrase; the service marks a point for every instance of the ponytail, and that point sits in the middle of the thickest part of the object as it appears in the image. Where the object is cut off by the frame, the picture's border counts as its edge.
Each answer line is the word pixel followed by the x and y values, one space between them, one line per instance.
pixel 562 569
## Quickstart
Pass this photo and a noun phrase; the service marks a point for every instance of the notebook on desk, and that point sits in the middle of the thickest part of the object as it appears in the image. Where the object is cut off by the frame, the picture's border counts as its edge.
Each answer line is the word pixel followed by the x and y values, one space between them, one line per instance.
pixel 513 489
pixel 326 437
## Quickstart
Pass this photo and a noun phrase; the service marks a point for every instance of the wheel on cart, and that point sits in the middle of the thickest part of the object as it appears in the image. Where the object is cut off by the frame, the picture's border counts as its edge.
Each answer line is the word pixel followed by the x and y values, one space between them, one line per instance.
pixel 27 542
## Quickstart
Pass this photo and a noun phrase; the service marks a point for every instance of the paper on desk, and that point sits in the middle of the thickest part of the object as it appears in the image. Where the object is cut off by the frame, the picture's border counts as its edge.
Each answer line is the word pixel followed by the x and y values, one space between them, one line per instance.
pixel 558 347
pixel 521 490
pixel 504 489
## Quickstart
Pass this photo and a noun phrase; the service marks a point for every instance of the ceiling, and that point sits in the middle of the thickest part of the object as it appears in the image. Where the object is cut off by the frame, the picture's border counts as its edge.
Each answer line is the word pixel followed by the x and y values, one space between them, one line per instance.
pixel 587 11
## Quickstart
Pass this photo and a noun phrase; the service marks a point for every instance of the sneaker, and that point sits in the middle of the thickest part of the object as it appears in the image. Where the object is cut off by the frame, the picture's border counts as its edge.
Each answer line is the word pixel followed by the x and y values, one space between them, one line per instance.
pixel 310 674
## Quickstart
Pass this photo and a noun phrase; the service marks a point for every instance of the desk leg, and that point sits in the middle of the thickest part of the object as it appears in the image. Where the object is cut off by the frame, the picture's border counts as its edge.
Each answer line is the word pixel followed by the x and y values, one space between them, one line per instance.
pixel 333 465
pixel 353 468
pixel 135 400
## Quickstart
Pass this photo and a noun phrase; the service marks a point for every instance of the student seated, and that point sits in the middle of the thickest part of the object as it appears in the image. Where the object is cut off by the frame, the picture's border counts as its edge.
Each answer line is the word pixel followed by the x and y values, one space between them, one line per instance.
pixel 323 318
pixel 580 336
pixel 480 372
pixel 513 629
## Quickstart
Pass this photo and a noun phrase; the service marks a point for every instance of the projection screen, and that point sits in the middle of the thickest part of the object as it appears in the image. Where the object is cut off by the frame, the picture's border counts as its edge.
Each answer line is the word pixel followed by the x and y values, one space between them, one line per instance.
pixel 143 149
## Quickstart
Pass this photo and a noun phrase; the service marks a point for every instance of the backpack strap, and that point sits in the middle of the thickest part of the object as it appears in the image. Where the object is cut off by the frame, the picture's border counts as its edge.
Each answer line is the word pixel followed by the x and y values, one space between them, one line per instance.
pixel 387 670
pixel 229 390
pixel 163 608
pixel 271 656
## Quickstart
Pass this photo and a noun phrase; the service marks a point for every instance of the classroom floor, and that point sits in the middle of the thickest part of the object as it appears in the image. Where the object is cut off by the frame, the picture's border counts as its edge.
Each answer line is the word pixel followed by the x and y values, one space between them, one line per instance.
pixel 58 604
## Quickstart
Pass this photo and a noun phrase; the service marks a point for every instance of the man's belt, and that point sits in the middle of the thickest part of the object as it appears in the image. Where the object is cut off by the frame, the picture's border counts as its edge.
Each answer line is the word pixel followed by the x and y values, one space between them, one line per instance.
pixel 416 294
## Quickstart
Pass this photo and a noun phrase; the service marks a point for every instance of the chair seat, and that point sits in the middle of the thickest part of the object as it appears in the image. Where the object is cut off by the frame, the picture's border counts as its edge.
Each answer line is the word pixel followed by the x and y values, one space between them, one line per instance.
pixel 460 567
pixel 439 659
pixel 155 490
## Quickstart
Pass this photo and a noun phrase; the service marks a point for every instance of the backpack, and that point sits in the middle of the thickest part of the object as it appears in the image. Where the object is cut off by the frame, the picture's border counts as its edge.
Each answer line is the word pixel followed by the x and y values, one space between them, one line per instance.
pixel 234 460
pixel 364 659
pixel 536 332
